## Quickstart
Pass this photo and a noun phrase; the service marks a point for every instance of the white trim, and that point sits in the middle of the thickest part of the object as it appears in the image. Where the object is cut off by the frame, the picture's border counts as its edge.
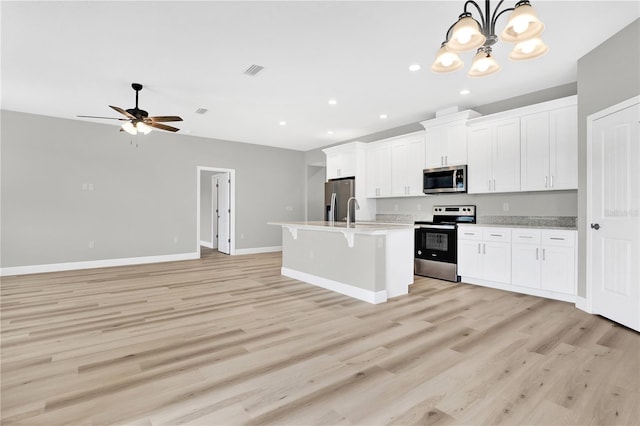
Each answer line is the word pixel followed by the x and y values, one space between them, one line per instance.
pixel 257 250
pixel 522 290
pixel 232 204
pixel 586 304
pixel 90 264
pixel 206 244
pixel 338 287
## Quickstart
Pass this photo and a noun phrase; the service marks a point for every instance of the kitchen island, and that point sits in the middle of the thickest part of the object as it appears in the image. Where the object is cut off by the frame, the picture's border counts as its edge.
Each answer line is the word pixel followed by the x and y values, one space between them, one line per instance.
pixel 368 261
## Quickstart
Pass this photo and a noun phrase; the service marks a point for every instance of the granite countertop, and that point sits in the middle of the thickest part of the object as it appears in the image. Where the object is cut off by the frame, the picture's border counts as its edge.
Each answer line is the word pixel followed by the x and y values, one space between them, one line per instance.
pixel 546 222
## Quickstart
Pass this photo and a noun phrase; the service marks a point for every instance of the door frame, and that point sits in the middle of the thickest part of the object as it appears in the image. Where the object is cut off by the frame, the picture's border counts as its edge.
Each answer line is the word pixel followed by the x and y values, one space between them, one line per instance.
pixel 232 204
pixel 589 235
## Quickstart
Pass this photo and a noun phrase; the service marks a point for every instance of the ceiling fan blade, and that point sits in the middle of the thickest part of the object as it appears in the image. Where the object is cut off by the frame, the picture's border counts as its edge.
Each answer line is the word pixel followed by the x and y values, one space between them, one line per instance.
pixel 163 127
pixel 164 118
pixel 121 111
pixel 105 118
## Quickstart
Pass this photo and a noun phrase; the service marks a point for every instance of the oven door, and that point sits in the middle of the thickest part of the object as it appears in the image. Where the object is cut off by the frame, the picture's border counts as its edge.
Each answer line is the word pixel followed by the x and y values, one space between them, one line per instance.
pixel 437 243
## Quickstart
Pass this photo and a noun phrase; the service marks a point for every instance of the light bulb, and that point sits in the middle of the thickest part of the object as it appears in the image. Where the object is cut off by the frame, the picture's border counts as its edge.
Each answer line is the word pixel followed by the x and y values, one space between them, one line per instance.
pixel 129 128
pixel 483 65
pixel 447 59
pixel 521 24
pixel 143 127
pixel 463 36
pixel 528 46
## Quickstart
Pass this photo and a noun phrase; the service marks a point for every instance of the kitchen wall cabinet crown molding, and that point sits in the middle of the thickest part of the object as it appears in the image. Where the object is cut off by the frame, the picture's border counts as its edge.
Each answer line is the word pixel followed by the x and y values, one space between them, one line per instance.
pixel 446 139
pixel 526 110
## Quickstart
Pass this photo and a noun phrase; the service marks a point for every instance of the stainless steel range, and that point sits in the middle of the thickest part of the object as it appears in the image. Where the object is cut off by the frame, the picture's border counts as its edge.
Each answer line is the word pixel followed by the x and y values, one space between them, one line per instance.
pixel 436 245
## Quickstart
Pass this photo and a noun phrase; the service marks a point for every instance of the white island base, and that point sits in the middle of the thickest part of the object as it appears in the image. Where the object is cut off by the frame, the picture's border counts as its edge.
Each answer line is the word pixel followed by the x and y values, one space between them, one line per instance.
pixel 370 262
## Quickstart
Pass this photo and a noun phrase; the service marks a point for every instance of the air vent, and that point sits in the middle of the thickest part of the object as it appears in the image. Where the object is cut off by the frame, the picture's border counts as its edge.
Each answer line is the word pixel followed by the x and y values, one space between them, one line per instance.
pixel 201 110
pixel 253 70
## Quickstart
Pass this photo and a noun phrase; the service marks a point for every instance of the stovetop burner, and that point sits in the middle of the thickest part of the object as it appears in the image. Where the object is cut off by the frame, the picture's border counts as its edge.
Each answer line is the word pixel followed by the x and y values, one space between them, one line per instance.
pixel 451 215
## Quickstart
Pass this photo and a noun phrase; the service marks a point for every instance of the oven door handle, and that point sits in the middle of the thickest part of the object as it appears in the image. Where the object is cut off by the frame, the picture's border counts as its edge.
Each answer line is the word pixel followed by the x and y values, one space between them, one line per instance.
pixel 437 227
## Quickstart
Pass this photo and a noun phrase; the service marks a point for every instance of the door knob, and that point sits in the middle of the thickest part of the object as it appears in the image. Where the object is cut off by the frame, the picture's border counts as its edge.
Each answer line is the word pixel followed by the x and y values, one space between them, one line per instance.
pixel 595 226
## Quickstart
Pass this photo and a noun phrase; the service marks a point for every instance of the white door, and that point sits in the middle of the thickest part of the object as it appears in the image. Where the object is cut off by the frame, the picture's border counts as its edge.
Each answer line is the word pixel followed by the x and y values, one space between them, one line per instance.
pixel 224 212
pixel 614 213
pixel 214 212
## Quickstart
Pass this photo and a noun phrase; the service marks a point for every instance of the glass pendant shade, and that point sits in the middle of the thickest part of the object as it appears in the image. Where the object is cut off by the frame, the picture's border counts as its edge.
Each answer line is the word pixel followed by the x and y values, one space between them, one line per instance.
pixel 483 64
pixel 466 35
pixel 529 49
pixel 523 24
pixel 129 128
pixel 142 127
pixel 446 61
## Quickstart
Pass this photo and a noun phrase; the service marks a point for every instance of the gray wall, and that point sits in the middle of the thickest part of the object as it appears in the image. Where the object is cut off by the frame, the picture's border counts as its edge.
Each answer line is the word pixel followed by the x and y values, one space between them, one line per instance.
pixel 144 201
pixel 607 75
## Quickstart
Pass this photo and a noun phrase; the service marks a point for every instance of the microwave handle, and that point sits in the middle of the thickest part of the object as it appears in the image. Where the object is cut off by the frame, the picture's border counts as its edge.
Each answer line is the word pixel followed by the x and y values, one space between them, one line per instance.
pixel 455 177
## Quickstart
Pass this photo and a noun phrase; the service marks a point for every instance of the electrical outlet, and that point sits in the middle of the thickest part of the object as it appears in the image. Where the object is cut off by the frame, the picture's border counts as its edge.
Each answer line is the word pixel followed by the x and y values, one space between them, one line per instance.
pixel 242 236
pixel 419 207
pixel 505 207
pixel 92 244
pixel 176 239
pixel 84 186
pixel 91 187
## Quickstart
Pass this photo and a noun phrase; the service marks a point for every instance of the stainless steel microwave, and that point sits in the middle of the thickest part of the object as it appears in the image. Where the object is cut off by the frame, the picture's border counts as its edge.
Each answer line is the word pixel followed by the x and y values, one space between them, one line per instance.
pixel 441 180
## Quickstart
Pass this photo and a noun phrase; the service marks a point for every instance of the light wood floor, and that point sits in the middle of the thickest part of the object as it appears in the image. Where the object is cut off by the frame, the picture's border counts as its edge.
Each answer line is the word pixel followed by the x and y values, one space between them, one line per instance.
pixel 227 340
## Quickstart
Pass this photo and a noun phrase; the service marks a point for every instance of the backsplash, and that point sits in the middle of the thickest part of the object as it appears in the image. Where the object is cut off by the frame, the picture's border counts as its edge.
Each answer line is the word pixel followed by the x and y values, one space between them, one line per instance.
pixel 568 222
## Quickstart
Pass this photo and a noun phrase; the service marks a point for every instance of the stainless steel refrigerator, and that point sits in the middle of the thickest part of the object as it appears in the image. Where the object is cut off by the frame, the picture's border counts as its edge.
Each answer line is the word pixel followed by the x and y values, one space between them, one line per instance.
pixel 339 190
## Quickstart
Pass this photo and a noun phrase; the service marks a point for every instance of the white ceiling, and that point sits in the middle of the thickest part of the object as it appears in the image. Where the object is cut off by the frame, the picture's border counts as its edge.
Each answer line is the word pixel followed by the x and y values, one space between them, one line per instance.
pixel 67 58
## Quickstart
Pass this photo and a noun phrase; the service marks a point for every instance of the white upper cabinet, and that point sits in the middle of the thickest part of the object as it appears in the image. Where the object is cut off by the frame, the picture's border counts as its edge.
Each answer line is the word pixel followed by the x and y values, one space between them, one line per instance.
pixel 549 147
pixel 407 164
pixel 446 139
pixel 494 156
pixel 379 169
pixel 341 161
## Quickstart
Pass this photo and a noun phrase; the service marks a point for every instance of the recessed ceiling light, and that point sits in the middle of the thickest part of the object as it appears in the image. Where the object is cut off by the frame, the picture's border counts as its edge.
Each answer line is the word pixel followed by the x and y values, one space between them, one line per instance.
pixel 414 67
pixel 383 116
pixel 201 110
pixel 283 123
pixel 465 91
pixel 330 132
pixel 332 102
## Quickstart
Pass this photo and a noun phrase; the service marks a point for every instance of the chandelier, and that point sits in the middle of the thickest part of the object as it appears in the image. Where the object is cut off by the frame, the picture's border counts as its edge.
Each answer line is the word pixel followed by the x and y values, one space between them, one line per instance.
pixel 523 28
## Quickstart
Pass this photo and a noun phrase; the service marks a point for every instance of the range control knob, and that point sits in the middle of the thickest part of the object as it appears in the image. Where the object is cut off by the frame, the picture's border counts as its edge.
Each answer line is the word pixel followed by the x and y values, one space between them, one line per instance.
pixel 419 251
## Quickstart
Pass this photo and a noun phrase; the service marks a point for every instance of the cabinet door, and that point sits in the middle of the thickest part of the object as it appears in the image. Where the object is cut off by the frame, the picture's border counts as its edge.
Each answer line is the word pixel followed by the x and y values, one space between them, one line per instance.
pixel 399 151
pixel 534 155
pixel 496 262
pixel 525 265
pixel 470 258
pixel 434 152
pixel 558 269
pixel 506 156
pixel 455 151
pixel 563 148
pixel 348 162
pixel 415 165
pixel 333 165
pixel 379 171
pixel 479 167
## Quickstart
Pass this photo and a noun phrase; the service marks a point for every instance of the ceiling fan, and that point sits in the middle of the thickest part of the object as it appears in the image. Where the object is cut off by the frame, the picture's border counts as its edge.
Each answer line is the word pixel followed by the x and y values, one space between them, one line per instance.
pixel 138 120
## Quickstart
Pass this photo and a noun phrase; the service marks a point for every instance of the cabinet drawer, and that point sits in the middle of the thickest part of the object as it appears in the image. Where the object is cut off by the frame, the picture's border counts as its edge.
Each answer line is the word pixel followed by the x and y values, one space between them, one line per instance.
pixel 468 233
pixel 558 238
pixel 525 236
pixel 496 234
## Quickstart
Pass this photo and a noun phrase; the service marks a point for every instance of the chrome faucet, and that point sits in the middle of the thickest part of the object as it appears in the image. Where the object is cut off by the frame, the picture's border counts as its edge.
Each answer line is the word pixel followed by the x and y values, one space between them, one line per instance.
pixel 348 215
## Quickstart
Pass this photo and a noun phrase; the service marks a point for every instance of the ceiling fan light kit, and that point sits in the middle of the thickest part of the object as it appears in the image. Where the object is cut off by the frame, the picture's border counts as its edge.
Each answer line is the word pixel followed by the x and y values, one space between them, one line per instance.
pixel 467 33
pixel 137 120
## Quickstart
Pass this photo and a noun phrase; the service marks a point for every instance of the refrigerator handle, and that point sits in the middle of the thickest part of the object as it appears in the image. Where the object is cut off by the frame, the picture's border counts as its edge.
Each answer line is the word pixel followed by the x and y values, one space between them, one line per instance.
pixel 332 209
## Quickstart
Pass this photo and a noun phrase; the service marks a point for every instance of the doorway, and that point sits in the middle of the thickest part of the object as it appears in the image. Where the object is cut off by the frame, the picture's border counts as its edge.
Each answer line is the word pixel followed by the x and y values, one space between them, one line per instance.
pixel 215 221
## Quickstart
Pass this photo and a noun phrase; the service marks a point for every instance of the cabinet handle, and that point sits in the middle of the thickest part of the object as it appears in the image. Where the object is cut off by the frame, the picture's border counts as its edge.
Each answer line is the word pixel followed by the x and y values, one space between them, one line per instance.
pixel 496 235
pixel 546 179
pixel 543 254
pixel 489 184
pixel 484 248
pixel 468 233
pixel 556 238
pixel 442 160
pixel 551 181
pixel 537 251
pixel 446 160
pixel 478 248
pixel 525 236
pixel 494 184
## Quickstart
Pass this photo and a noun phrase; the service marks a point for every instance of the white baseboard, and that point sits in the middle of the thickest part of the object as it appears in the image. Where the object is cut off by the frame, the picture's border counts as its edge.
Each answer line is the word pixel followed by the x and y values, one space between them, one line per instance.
pixel 583 304
pixel 523 290
pixel 338 287
pixel 257 250
pixel 207 244
pixel 72 266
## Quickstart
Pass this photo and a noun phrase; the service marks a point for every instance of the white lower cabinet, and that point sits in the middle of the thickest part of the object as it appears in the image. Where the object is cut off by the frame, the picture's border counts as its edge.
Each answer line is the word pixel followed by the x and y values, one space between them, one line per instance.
pixel 542 262
pixel 484 253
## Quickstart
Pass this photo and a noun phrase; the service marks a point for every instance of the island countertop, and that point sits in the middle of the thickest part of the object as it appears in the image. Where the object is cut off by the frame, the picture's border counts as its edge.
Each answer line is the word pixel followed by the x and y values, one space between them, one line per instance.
pixel 357 227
